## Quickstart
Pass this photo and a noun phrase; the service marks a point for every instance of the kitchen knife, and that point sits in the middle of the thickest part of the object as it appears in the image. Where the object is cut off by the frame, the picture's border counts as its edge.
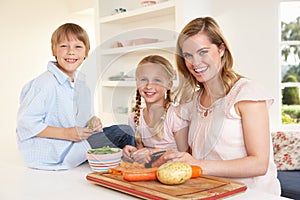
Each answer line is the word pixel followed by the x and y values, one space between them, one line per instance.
pixel 154 157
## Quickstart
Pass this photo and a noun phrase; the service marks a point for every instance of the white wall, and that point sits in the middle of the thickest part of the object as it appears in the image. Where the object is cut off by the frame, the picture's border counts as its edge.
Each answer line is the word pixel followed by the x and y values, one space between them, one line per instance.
pixel 26 27
pixel 252 29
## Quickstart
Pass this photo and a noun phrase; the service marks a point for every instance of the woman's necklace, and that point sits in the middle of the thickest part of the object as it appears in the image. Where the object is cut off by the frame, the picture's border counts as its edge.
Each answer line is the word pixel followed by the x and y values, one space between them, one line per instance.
pixel 204 111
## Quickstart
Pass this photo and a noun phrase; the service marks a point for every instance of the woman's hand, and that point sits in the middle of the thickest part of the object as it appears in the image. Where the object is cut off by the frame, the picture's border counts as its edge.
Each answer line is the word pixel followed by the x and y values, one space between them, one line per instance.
pixel 127 152
pixel 141 156
pixel 182 156
pixel 95 124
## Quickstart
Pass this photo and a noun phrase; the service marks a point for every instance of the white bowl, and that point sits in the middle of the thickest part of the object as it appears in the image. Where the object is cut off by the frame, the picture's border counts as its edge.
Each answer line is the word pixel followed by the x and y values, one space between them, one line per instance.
pixel 102 162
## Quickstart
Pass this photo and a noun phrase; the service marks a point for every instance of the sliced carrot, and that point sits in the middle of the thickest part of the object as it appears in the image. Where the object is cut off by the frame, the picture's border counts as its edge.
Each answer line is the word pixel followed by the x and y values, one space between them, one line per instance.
pixel 115 171
pixel 196 171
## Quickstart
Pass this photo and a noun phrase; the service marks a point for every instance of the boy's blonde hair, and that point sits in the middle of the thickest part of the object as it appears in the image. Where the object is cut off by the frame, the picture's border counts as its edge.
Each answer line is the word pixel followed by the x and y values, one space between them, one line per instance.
pixel 159 127
pixel 69 30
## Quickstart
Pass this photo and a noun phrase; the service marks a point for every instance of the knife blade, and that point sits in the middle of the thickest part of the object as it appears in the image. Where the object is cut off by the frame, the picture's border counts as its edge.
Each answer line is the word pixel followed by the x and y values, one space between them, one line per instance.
pixel 154 157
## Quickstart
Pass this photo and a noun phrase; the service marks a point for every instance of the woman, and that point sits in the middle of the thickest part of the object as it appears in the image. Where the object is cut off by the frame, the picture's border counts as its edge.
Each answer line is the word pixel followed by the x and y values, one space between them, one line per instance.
pixel 229 124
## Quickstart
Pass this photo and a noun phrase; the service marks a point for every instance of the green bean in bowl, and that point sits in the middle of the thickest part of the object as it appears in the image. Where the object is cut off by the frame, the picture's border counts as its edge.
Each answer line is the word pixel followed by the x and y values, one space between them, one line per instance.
pixel 104 150
pixel 101 159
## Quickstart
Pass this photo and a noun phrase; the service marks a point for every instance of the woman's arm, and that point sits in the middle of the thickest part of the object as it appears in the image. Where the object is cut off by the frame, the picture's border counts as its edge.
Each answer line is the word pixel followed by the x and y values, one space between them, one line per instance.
pixel 255 125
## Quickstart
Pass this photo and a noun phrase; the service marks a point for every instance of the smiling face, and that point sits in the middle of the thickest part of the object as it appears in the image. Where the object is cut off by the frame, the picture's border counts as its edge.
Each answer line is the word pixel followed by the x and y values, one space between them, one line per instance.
pixel 152 82
pixel 70 53
pixel 202 58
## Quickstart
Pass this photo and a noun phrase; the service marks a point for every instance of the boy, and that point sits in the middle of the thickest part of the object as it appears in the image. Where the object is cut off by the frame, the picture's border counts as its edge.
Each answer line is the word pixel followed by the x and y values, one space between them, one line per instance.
pixel 55 126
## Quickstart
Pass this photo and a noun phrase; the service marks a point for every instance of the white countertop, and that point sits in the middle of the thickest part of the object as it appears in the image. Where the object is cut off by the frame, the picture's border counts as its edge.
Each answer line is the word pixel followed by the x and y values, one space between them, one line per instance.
pixel 21 183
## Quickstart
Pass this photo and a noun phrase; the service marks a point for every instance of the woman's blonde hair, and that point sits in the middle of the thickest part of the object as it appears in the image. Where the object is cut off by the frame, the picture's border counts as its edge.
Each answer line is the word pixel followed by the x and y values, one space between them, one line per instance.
pixel 187 82
pixel 67 31
pixel 159 127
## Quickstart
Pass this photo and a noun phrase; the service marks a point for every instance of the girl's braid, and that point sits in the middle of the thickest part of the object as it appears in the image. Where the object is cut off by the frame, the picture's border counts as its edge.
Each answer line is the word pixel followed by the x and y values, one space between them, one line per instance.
pixel 159 127
pixel 137 111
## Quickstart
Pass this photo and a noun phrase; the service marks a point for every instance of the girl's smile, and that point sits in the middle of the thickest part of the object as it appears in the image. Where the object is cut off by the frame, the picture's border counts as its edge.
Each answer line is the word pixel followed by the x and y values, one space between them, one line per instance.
pixel 150 94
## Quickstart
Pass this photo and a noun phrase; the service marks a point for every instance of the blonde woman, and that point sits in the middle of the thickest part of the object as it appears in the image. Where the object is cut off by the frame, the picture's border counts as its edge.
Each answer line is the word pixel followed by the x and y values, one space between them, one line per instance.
pixel 229 124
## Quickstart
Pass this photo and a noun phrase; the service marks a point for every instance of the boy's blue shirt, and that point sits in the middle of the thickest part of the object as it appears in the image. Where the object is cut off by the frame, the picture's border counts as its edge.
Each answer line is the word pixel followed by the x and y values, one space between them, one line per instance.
pixel 52 100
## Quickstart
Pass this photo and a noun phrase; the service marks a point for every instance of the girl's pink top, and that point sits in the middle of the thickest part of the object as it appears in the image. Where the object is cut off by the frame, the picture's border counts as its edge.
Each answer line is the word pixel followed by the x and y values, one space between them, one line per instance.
pixel 172 124
pixel 219 134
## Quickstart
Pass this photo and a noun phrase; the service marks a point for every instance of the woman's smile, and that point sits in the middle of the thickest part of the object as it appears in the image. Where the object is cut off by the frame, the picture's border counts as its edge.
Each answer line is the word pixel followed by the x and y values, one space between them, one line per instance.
pixel 200 69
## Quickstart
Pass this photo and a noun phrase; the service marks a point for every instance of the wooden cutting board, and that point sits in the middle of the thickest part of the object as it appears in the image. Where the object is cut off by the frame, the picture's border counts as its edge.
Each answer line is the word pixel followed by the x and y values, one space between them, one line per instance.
pixel 204 187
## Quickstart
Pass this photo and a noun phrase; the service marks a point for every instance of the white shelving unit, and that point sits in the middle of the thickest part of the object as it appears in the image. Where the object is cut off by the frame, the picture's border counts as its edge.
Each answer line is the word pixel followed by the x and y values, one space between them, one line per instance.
pixel 138 22
pixel 140 13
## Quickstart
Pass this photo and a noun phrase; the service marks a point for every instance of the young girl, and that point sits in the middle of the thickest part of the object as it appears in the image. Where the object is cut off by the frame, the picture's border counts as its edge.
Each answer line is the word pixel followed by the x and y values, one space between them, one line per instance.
pixel 55 126
pixel 156 125
pixel 229 124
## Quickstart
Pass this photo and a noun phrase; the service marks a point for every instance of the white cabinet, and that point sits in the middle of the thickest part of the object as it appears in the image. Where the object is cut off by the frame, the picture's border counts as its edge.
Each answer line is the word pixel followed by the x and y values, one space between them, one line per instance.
pixel 123 40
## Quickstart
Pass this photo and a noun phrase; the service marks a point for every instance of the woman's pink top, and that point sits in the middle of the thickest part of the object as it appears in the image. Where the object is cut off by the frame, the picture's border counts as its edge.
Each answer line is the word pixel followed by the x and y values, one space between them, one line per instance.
pixel 219 134
pixel 172 124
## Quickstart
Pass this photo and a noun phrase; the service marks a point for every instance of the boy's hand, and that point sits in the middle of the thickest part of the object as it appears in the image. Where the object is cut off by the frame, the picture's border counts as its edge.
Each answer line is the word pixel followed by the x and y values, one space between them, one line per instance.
pixel 79 134
pixel 95 124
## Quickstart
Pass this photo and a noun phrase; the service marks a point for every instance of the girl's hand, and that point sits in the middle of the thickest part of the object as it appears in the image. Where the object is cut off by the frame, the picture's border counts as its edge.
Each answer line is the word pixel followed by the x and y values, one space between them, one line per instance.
pixel 95 124
pixel 78 134
pixel 127 152
pixel 141 156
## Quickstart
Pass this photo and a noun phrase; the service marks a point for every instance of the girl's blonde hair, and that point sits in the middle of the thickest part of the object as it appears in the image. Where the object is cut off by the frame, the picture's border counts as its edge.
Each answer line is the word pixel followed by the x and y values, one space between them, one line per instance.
pixel 187 82
pixel 67 31
pixel 159 127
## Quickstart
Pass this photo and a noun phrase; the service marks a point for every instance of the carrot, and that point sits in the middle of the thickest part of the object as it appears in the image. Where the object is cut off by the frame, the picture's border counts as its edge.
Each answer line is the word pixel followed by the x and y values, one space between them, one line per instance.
pixel 140 175
pixel 149 174
pixel 162 159
pixel 196 171
pixel 115 171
